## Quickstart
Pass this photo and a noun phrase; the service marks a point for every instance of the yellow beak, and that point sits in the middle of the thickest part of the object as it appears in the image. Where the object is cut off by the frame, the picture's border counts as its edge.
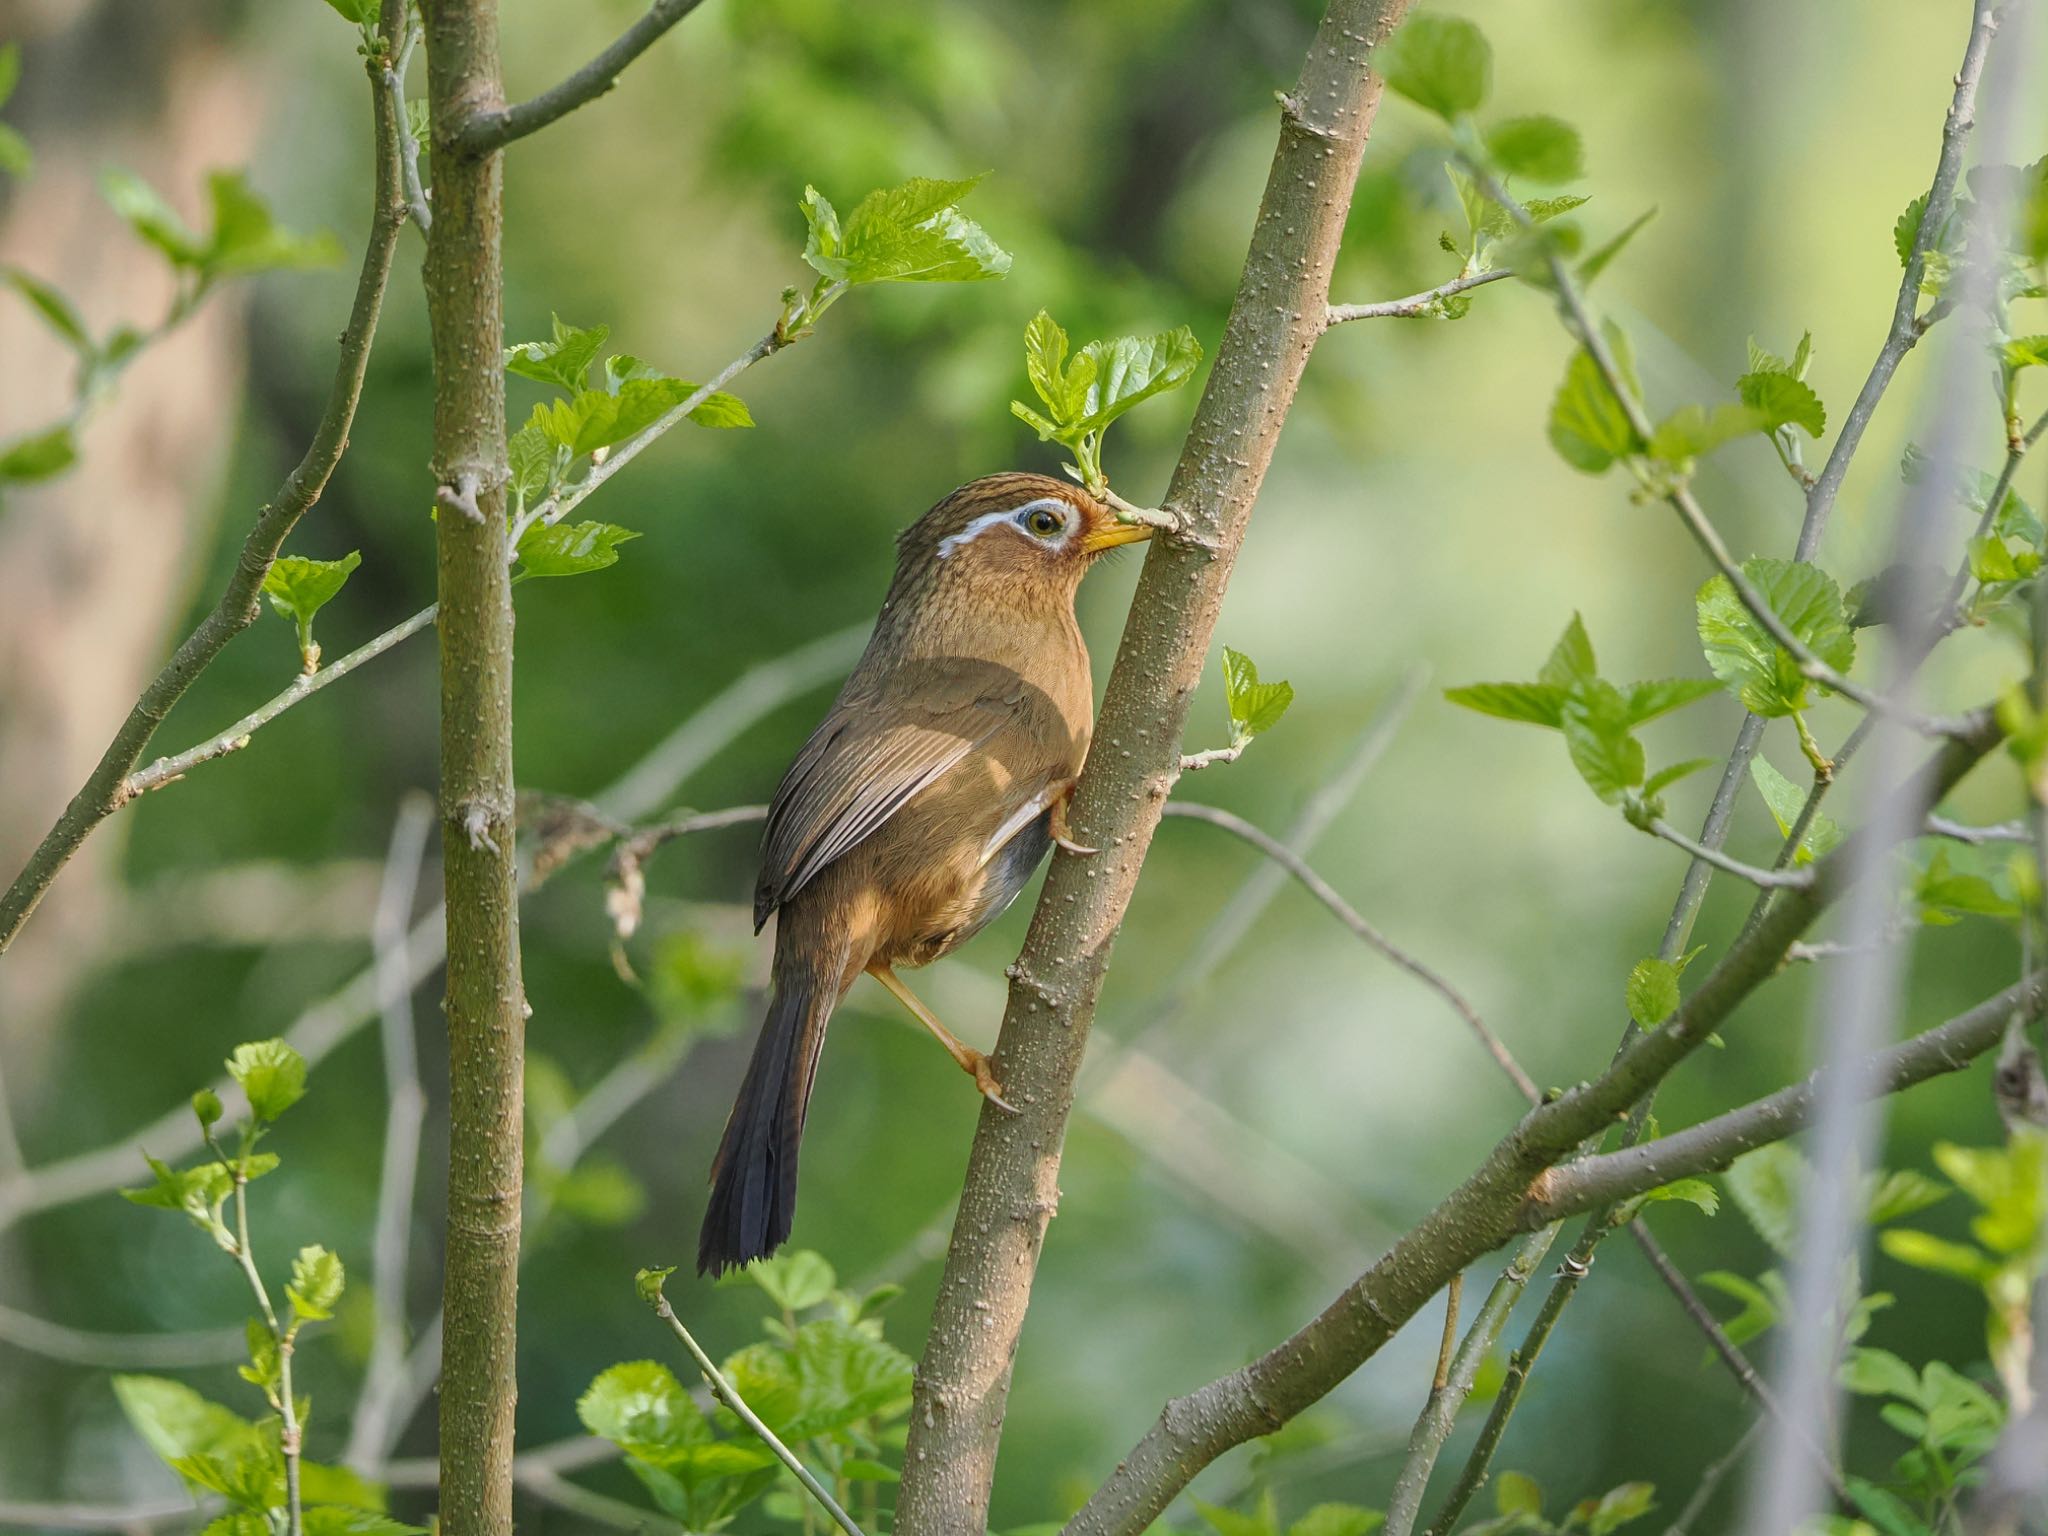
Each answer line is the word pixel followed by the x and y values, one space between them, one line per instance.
pixel 1115 534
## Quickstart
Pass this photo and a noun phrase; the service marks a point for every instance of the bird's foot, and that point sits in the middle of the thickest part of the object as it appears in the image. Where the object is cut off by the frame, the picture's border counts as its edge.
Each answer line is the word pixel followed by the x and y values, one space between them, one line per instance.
pixel 1062 832
pixel 985 1080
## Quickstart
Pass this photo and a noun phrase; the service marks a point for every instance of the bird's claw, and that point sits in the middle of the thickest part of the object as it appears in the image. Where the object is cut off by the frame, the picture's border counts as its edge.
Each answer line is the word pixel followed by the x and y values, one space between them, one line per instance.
pixel 1073 847
pixel 985 1080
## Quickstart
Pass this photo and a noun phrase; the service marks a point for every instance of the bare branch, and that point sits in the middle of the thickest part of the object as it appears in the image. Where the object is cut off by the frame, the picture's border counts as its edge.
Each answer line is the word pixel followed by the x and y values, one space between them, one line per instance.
pixel 1768 879
pixel 106 791
pixel 1715 1143
pixel 1349 916
pixel 166 770
pixel 372 1433
pixel 119 1351
pixel 1416 305
pixel 486 131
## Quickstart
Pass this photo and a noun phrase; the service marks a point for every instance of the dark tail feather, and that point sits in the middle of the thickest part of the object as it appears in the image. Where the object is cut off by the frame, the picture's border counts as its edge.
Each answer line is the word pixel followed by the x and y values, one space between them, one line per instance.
pixel 753 1178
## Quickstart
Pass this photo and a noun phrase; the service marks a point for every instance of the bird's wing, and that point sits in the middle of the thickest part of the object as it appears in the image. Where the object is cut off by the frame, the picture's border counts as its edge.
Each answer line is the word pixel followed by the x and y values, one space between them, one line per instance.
pixel 866 760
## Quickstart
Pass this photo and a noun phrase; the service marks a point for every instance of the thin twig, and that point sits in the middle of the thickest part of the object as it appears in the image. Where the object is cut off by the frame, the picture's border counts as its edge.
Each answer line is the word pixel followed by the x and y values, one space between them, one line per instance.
pixel 723 1390
pixel 167 769
pixel 1440 1413
pixel 372 1434
pixel 1429 302
pixel 63 1515
pixel 1195 762
pixel 119 1351
pixel 1349 916
pixel 1768 879
pixel 416 207
pixel 487 131
pixel 106 791
pixel 1998 832
pixel 1711 1480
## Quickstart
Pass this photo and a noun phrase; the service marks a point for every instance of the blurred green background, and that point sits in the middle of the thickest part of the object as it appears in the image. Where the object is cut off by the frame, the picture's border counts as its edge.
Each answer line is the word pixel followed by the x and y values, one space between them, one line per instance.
pixel 1305 1101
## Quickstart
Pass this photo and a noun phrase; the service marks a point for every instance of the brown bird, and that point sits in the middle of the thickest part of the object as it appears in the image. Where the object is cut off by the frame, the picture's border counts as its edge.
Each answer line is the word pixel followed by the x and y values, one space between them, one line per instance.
pixel 919 807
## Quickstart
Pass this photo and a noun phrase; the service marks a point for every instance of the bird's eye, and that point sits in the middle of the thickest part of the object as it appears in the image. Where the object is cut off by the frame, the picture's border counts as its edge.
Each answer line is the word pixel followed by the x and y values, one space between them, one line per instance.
pixel 1044 522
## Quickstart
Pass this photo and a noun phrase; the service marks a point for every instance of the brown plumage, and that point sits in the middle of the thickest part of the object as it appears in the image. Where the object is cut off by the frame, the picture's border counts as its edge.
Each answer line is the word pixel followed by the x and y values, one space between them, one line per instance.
pixel 920 805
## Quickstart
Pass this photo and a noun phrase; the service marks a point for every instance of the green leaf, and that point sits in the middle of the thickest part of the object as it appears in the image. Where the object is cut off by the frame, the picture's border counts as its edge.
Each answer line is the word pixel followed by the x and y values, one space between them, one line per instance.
pixel 1780 400
pixel 38 457
pixel 1517 1493
pixel 2026 352
pixel 1262 1521
pixel 1693 430
pixel 1599 260
pixel 1442 63
pixel 176 1422
pixel 56 310
pixel 1255 707
pixel 599 1191
pixel 1338 1520
pixel 206 1108
pixel 361 12
pixel 1571 660
pixel 1618 1507
pixel 563 361
pixel 1652 992
pixel 1891 1514
pixel 532 456
pixel 1538 147
pixel 640 1407
pixel 298 588
pixel 1923 1250
pixel 570 549
pixel 1765 1185
pixel 1542 210
pixel 1536 703
pixel 647 1283
pixel 16 158
pixel 272 1074
pixel 1588 427
pixel 339 1520
pixel 1786 801
pixel 1879 1373
pixel 264 1369
pixel 198 1192
pixel 1762 1305
pixel 908 233
pixel 1695 1192
pixel 1126 370
pixel 1596 733
pixel 1664 778
pixel 10 70
pixel 1647 701
pixel 844 1376
pixel 595 419
pixel 1946 895
pixel 1764 675
pixel 795 1279
pixel 247 239
pixel 152 218
pixel 1903 1192
pixel 316 1283
pixel 1064 392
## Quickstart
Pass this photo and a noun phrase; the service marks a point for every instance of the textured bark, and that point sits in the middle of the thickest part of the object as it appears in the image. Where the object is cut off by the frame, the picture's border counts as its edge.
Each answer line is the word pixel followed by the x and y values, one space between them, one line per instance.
pixel 485 1002
pixel 1011 1188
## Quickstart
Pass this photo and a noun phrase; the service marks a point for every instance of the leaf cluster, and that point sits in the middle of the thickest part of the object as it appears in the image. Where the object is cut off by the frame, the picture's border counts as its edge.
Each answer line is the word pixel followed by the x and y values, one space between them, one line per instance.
pixel 1084 392
pixel 822 1378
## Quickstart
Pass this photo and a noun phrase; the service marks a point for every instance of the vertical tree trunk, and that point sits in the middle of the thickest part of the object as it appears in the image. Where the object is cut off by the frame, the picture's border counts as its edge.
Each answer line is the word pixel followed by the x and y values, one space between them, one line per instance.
pixel 1012 1178
pixel 486 1005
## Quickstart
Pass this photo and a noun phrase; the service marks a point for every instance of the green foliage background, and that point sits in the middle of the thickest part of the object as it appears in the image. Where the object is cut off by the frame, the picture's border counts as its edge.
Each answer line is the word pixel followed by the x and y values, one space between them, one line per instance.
pixel 1417 517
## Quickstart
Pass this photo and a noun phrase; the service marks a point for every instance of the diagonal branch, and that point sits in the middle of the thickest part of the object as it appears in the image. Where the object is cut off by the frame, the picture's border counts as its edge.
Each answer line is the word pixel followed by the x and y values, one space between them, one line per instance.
pixel 1416 305
pixel 106 791
pixel 1714 1144
pixel 1349 916
pixel 1010 1190
pixel 1480 1213
pixel 487 131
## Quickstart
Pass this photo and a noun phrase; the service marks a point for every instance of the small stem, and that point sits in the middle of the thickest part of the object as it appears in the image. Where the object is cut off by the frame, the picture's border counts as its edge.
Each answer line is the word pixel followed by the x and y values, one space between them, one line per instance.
pixel 1768 879
pixel 1415 305
pixel 723 1391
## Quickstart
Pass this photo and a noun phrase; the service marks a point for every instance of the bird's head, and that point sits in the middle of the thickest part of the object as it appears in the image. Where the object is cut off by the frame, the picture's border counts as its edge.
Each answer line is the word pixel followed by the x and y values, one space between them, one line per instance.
pixel 1030 530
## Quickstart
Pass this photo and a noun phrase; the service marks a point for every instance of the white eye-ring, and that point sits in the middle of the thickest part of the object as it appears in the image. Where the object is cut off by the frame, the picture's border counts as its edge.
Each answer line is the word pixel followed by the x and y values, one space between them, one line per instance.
pixel 1048 522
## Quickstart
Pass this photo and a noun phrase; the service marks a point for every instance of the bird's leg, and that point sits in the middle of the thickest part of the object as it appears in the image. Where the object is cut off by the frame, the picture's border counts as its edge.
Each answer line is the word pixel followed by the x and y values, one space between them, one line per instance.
pixel 970 1061
pixel 1060 830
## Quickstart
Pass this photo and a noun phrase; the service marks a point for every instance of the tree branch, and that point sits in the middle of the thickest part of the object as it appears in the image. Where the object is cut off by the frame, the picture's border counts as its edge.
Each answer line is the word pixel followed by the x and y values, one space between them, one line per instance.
pixel 494 129
pixel 106 791
pixel 485 1000
pixel 1767 879
pixel 1714 1144
pixel 1475 1217
pixel 1349 916
pixel 1415 305
pixel 1011 1183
